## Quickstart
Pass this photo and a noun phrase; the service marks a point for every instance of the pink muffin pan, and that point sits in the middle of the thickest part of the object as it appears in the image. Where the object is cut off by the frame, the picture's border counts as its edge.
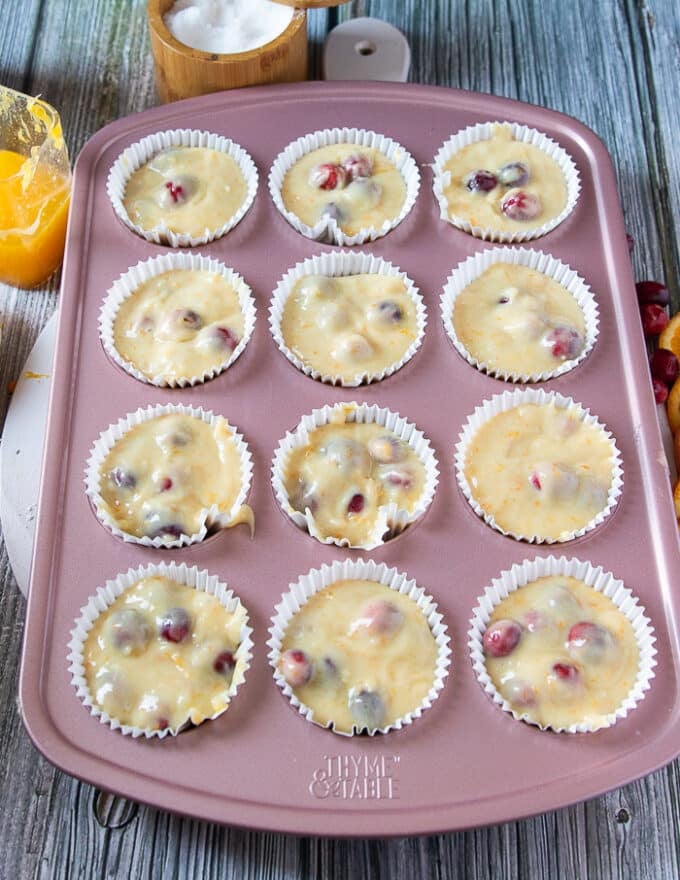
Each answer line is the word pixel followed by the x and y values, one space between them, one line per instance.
pixel 465 762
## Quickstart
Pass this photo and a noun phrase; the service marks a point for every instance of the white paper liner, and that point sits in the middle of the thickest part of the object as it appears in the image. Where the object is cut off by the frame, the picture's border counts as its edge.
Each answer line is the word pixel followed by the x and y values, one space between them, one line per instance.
pixel 475 266
pixel 106 596
pixel 483 131
pixel 391 521
pixel 343 264
pixel 528 571
pixel 358 569
pixel 138 154
pixel 212 518
pixel 327 229
pixel 509 400
pixel 131 280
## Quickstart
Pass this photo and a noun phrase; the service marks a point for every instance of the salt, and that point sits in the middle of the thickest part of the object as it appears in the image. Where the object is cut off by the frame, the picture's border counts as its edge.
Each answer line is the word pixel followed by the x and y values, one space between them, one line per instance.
pixel 227 26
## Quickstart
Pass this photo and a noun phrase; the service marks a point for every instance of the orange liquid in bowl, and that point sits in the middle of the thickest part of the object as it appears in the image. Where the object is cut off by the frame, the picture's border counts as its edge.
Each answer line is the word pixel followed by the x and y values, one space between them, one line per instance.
pixel 34 202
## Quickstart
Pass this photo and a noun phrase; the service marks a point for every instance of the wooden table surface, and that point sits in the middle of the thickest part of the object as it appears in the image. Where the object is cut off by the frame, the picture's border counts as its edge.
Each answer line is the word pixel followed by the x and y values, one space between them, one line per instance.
pixel 614 65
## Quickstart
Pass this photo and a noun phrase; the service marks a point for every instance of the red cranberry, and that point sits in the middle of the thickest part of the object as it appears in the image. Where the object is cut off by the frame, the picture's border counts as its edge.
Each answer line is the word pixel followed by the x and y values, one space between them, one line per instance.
pixel 660 390
pixel 566 672
pixel 535 481
pixel 654 319
pixel 367 709
pixel 513 174
pixel 519 693
pixel 356 503
pixel 402 477
pixel 187 318
pixel 162 723
pixel 481 181
pixel 564 342
pixel 521 206
pixel 225 663
pixel 176 191
pixel 296 668
pixel 225 337
pixel 501 638
pixel 328 176
pixel 165 484
pixel 122 479
pixel 390 312
pixel 358 165
pixel 652 292
pixel 130 631
pixel 589 642
pixel 381 617
pixel 664 366
pixel 536 621
pixel 175 625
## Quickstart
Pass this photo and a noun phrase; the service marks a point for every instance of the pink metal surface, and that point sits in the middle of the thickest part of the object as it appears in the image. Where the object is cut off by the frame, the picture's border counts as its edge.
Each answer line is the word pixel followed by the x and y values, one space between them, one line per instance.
pixel 465 762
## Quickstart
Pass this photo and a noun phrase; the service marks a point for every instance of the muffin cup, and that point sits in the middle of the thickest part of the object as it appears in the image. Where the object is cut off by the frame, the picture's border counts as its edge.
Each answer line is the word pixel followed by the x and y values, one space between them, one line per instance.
pixel 213 519
pixel 340 265
pixel 318 579
pixel 483 131
pixel 528 571
pixel 475 266
pixel 391 521
pixel 509 400
pixel 104 598
pixel 131 280
pixel 140 153
pixel 327 229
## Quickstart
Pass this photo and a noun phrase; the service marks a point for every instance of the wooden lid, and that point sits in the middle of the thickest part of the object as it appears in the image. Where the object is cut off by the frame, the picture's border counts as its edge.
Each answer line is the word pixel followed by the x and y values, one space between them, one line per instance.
pixel 311 4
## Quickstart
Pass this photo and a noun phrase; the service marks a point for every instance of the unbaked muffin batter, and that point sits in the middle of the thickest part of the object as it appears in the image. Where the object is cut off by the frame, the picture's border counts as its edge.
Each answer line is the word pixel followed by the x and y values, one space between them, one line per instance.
pixel 518 320
pixel 561 652
pixel 504 184
pixel 359 654
pixel 358 186
pixel 160 478
pixel 347 472
pixel 540 471
pixel 190 190
pixel 163 654
pixel 350 325
pixel 179 324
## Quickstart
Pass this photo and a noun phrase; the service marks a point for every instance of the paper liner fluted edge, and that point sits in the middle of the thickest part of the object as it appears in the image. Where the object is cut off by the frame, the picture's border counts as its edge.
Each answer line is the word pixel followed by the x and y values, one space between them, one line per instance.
pixel 129 282
pixel 105 596
pixel 475 265
pixel 595 577
pixel 482 131
pixel 500 403
pixel 326 230
pixel 337 265
pixel 358 569
pixel 212 518
pixel 390 518
pixel 140 152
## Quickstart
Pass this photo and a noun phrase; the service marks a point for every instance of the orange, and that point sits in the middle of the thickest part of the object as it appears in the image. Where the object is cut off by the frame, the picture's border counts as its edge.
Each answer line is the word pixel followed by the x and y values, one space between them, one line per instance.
pixel 670 337
pixel 673 407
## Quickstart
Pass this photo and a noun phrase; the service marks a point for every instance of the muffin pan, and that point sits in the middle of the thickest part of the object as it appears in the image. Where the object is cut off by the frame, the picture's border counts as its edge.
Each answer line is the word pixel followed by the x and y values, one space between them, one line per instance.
pixel 464 763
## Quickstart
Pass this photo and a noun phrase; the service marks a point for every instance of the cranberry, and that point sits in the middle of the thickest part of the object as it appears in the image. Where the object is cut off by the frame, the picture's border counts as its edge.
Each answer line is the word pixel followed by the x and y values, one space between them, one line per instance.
pixel 564 342
pixel 122 479
pixel 535 481
pixel 367 709
pixel 589 642
pixel 225 663
pixel 521 206
pixel 536 621
pixel 176 191
pixel 333 211
pixel 328 176
pixel 630 241
pixel 562 601
pixel 402 477
pixel 501 638
pixel 165 484
pixel 145 324
pixel 175 625
pixel 358 165
pixel 654 319
pixel 481 181
pixel 187 318
pixel 513 174
pixel 296 668
pixel 555 479
pixel 162 723
pixel 386 449
pixel 664 366
pixel 519 693
pixel 130 631
pixel 566 672
pixel 354 347
pixel 660 391
pixel 381 617
pixel 390 311
pixel 356 503
pixel 652 292
pixel 226 337
pixel 347 455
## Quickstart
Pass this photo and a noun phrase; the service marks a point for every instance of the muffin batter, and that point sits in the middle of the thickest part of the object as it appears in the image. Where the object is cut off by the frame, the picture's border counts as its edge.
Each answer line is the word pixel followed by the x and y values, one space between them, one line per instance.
pixel 160 478
pixel 540 471
pixel 517 320
pixel 163 654
pixel 347 326
pixel 179 325
pixel 504 184
pixel 188 190
pixel 357 186
pixel 561 653
pixel 359 654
